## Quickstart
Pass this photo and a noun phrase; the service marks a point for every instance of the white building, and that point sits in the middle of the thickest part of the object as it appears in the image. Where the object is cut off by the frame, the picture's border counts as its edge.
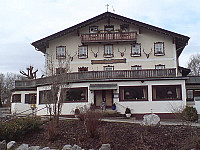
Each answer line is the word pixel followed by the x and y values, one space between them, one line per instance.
pixel 111 58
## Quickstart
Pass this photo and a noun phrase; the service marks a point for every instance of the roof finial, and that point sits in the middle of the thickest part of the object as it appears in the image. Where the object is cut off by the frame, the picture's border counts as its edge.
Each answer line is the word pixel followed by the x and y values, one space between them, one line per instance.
pixel 107 7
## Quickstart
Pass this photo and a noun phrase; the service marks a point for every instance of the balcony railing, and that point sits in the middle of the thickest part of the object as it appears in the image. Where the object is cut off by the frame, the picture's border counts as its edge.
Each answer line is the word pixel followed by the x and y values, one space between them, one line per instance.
pixel 108 37
pixel 98 76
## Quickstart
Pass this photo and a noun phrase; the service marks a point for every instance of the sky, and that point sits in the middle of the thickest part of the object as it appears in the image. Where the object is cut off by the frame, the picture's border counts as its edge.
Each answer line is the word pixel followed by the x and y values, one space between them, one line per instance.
pixel 25 21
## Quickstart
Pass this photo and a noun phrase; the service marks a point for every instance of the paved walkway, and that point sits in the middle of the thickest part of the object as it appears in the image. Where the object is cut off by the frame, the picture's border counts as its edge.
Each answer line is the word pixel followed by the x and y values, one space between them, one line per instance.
pixel 133 120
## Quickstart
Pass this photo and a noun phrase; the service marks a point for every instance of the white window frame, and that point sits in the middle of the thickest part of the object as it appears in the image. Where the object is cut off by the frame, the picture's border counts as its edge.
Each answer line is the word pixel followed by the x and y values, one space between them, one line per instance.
pixel 108 68
pixel 136 67
pixel 60 52
pixel 136 49
pixel 160 66
pixel 83 51
pixel 108 50
pixel 159 49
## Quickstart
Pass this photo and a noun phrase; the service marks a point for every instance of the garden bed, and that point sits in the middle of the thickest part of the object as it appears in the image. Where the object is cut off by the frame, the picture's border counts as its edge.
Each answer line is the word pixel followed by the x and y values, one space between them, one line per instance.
pixel 121 136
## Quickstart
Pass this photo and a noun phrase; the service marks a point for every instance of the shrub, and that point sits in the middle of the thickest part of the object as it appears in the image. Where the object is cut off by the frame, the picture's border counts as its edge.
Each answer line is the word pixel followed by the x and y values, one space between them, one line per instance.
pixel 92 120
pixel 128 111
pixel 77 111
pixel 189 114
pixel 17 128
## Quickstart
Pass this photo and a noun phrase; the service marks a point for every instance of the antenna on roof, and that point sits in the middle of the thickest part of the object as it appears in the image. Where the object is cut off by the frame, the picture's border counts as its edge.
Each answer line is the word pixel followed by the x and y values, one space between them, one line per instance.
pixel 107 7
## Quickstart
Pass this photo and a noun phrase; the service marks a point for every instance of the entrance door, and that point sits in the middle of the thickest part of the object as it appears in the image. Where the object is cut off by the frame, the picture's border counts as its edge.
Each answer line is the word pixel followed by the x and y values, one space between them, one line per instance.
pixel 101 95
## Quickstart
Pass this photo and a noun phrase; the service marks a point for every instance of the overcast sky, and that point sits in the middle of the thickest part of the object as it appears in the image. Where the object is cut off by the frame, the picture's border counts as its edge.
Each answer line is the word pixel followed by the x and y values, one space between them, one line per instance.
pixel 25 21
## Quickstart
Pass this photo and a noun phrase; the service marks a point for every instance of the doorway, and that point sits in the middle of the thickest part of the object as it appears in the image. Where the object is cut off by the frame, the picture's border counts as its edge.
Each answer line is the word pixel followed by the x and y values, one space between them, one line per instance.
pixel 100 95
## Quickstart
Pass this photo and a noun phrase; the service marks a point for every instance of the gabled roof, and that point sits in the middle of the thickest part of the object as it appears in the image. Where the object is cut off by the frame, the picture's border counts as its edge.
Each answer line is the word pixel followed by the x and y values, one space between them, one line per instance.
pixel 180 40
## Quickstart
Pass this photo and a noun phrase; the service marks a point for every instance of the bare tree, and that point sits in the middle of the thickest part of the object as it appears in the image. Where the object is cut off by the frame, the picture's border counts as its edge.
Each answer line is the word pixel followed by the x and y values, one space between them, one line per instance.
pixel 31 74
pixel 7 82
pixel 194 65
pixel 55 99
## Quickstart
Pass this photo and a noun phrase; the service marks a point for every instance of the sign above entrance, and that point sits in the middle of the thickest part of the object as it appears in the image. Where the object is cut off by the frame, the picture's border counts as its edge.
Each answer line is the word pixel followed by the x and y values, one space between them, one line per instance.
pixel 103 87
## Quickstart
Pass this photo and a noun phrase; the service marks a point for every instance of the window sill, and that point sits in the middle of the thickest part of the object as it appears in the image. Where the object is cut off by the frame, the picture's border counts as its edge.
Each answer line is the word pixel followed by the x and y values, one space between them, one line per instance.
pixel 82 101
pixel 133 100
pixel 82 57
pixel 135 55
pixel 167 100
pixel 108 56
pixel 60 57
pixel 159 54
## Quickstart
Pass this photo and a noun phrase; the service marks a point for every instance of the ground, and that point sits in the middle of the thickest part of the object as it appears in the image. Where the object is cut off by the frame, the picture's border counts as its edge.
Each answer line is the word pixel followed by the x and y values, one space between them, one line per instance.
pixel 121 136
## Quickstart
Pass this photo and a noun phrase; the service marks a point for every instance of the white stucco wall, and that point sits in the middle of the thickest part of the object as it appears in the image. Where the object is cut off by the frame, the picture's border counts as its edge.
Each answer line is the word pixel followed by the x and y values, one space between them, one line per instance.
pixel 138 107
pixel 146 38
pixel 21 107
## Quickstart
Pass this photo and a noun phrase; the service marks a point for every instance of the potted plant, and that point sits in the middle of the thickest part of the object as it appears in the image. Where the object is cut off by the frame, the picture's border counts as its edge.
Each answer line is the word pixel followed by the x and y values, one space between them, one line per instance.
pixel 128 112
pixel 113 106
pixel 76 113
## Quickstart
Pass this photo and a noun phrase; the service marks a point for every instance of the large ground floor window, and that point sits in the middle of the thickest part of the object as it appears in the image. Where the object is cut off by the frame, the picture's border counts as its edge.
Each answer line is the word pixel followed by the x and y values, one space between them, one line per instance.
pixel 193 94
pixel 45 97
pixel 75 94
pixel 30 98
pixel 133 93
pixel 16 98
pixel 166 92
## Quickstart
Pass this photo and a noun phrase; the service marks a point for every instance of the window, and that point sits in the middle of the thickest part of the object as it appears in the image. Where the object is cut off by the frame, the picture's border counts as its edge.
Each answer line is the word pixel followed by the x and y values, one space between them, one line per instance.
pixel 167 92
pixel 60 52
pixel 136 67
pixel 82 69
pixel 16 98
pixel 133 93
pixel 45 97
pixel 60 70
pixel 136 50
pixel 93 29
pixel 159 49
pixel 75 94
pixel 108 50
pixel 109 27
pixel 160 66
pixel 193 95
pixel 108 68
pixel 197 95
pixel 82 52
pixel 30 98
pixel 190 95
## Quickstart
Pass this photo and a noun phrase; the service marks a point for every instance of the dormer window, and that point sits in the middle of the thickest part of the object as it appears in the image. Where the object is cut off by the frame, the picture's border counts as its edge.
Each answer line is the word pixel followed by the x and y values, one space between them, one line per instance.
pixel 136 67
pixel 60 52
pixel 109 27
pixel 160 66
pixel 82 52
pixel 136 50
pixel 108 50
pixel 159 49
pixel 93 29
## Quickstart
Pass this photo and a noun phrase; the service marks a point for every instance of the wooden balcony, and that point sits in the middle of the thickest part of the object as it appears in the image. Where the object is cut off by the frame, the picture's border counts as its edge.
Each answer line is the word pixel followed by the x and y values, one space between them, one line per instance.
pixel 109 37
pixel 98 76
